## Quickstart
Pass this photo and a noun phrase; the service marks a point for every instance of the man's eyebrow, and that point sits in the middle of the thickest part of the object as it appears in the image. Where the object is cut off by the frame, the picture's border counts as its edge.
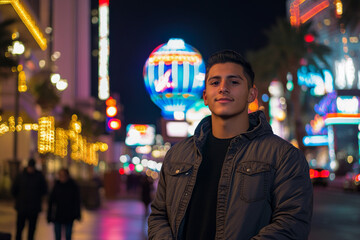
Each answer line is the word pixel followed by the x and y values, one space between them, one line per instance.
pixel 214 77
pixel 236 76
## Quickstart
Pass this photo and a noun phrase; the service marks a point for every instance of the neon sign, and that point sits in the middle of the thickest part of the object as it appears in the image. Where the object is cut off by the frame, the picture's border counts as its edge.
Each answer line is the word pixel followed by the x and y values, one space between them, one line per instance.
pixel 297 18
pixel 347 104
pixel 140 135
pixel 327 104
pixel 174 76
pixel 345 73
pixel 319 81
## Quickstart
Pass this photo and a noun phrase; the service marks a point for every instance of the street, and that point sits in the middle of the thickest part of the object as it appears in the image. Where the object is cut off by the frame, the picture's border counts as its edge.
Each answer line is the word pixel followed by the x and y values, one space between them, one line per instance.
pixel 336 214
pixel 336 217
pixel 115 220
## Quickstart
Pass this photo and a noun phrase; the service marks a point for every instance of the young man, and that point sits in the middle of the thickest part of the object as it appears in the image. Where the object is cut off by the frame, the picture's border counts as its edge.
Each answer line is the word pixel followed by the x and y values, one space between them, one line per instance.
pixel 234 179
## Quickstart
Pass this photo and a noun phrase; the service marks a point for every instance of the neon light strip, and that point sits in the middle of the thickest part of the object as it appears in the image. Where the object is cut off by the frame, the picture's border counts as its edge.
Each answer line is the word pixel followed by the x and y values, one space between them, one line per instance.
pixel 341 120
pixel 28 21
pixel 104 50
pixel 342 115
pixel 315 10
pixel 294 13
pixel 331 141
pixel 318 140
pixel 186 77
pixel 180 58
pixel 174 74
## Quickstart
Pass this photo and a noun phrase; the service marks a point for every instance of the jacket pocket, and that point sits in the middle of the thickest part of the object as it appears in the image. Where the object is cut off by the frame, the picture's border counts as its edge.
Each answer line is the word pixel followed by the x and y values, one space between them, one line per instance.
pixel 178 169
pixel 254 180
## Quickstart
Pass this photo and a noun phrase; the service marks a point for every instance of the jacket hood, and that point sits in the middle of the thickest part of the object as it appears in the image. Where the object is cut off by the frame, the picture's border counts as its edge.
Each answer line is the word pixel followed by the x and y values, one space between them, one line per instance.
pixel 258 127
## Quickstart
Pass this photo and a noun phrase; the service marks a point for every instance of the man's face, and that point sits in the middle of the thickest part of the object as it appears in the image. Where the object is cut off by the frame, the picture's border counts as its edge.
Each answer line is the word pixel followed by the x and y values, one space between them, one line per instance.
pixel 227 92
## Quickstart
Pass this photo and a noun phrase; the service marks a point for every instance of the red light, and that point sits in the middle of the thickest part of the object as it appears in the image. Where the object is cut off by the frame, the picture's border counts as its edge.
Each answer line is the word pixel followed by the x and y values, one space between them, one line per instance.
pixel 121 171
pixel 104 2
pixel 311 173
pixel 114 124
pixel 357 178
pixel 309 38
pixel 110 102
pixel 315 173
pixel 324 173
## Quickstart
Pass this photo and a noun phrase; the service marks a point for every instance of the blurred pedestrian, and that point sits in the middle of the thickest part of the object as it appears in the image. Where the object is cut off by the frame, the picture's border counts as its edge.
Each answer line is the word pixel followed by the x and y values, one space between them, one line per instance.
pixel 28 189
pixel 146 194
pixel 64 204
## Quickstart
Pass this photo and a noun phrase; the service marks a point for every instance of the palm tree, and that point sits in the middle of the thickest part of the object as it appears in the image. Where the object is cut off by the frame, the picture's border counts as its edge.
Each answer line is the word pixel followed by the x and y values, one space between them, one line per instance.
pixel 351 14
pixel 6 62
pixel 45 94
pixel 284 53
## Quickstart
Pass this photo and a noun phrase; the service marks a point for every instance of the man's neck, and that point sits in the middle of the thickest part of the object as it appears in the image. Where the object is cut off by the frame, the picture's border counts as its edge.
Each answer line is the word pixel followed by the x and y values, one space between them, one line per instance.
pixel 231 127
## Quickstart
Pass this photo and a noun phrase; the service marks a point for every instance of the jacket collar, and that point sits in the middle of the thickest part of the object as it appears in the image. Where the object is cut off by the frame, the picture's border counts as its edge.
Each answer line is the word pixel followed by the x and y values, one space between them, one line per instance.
pixel 258 127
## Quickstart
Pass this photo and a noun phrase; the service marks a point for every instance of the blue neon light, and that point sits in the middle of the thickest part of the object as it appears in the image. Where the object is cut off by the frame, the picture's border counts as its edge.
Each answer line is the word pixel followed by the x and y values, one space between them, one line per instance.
pixel 318 140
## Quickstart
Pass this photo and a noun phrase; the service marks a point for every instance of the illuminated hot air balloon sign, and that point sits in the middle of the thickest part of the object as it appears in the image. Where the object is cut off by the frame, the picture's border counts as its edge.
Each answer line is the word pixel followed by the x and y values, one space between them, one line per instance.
pixel 174 77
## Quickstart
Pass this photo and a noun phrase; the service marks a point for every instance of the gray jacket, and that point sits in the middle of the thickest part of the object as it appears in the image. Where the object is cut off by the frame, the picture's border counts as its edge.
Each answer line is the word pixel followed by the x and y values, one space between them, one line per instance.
pixel 264 190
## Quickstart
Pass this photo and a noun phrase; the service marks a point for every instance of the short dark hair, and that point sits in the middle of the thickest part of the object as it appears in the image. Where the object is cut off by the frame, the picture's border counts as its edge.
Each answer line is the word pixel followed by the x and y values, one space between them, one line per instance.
pixel 225 56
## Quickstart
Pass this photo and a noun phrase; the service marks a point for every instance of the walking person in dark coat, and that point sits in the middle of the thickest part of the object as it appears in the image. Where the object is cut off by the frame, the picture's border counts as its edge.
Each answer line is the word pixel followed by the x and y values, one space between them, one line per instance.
pixel 64 204
pixel 28 189
pixel 146 194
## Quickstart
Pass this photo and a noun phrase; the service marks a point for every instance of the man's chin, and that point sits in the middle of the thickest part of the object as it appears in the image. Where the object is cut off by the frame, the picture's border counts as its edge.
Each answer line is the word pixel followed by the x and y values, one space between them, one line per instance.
pixel 224 116
pixel 227 115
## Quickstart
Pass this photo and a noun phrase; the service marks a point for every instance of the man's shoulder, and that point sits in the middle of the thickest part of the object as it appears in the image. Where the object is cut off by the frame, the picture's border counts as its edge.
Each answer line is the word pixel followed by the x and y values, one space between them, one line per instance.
pixel 183 144
pixel 276 141
pixel 274 145
pixel 181 149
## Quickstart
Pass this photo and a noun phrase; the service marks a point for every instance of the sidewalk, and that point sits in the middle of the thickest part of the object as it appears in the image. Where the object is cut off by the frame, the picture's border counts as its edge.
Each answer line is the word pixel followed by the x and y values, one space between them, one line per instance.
pixel 114 220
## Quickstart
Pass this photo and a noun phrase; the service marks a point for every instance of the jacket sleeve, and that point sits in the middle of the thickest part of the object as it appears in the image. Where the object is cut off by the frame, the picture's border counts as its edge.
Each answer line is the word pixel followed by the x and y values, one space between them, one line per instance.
pixel 159 227
pixel 292 200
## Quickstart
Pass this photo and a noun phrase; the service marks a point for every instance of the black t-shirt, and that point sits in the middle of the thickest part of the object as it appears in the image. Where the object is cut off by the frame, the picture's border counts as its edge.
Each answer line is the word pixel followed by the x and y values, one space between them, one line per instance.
pixel 200 222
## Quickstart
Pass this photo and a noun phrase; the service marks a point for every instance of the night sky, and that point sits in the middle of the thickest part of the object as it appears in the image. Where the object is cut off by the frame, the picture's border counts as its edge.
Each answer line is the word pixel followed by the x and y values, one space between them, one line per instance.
pixel 137 27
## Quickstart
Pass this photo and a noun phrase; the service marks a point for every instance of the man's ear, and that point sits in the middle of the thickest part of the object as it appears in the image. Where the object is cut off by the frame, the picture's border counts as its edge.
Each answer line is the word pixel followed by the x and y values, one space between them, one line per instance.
pixel 253 92
pixel 205 98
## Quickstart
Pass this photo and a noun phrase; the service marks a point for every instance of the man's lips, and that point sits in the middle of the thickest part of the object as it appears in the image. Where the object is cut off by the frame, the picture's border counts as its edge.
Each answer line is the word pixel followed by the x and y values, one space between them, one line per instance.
pixel 223 100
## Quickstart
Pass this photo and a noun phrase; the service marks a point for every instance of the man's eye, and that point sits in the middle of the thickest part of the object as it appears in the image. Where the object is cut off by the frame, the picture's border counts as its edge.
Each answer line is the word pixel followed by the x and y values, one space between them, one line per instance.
pixel 235 82
pixel 214 83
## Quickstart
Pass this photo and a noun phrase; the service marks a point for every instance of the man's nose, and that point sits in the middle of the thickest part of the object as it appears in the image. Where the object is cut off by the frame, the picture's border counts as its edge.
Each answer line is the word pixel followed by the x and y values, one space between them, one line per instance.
pixel 223 87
